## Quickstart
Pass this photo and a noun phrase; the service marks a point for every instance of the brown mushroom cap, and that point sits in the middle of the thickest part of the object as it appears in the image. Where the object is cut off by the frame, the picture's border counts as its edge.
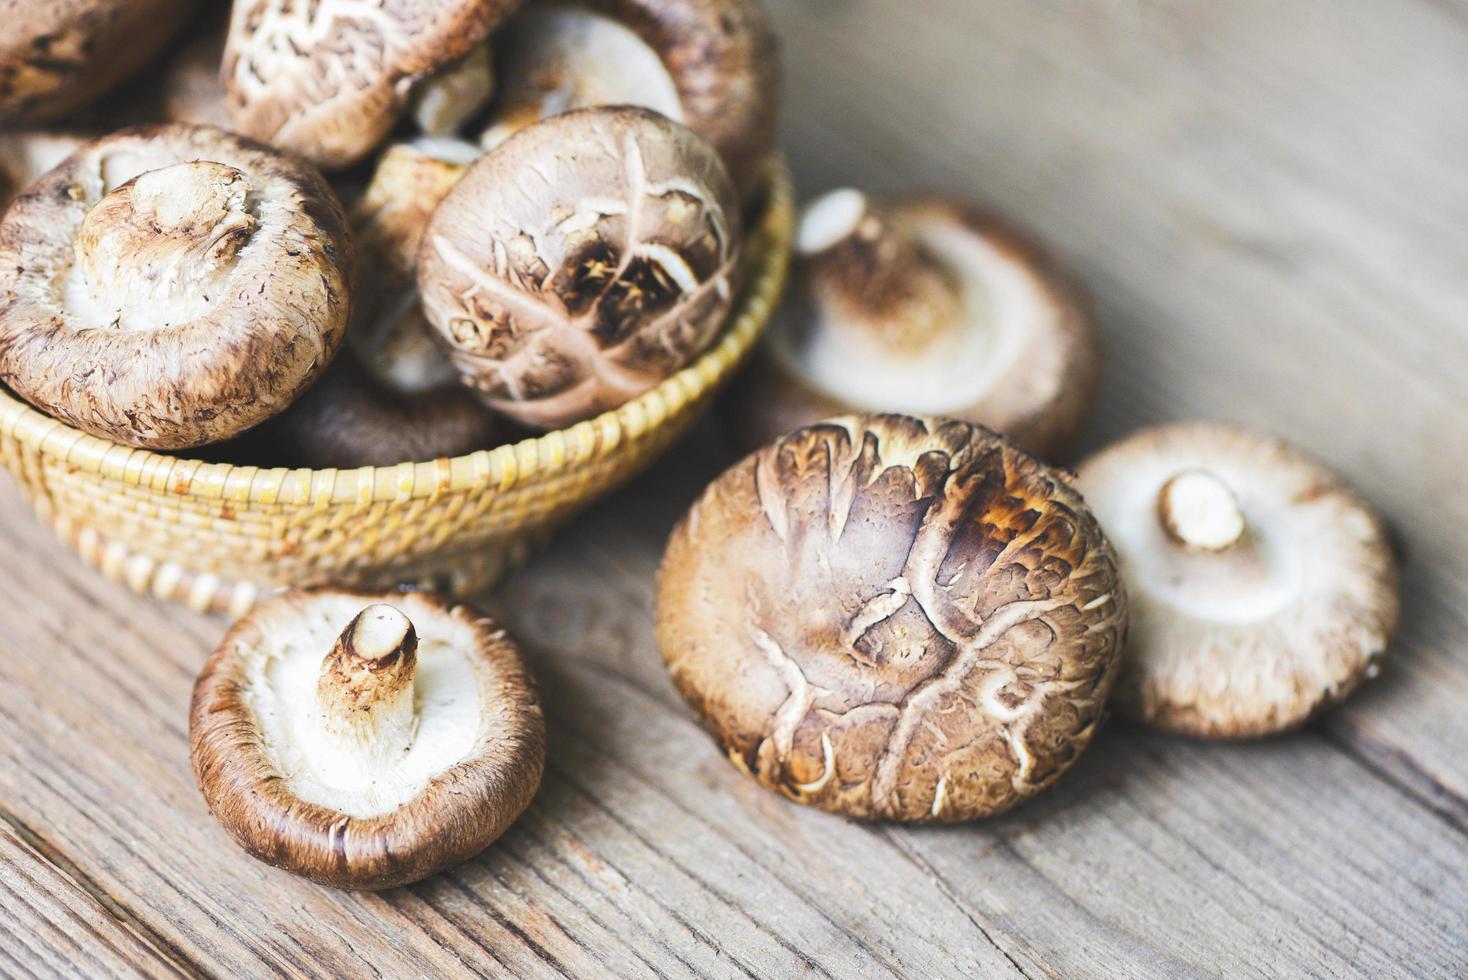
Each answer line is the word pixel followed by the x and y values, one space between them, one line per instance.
pixel 893 618
pixel 1262 589
pixel 924 306
pixel 58 55
pixel 581 262
pixel 712 65
pixel 329 80
pixel 171 286
pixel 393 397
pixel 27 154
pixel 365 741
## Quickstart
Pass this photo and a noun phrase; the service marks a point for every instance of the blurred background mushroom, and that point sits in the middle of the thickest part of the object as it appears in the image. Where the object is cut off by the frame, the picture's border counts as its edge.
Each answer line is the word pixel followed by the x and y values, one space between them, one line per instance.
pixel 60 55
pixel 329 81
pixel 1263 590
pixel 925 306
pixel 893 618
pixel 581 262
pixel 172 286
pixel 365 741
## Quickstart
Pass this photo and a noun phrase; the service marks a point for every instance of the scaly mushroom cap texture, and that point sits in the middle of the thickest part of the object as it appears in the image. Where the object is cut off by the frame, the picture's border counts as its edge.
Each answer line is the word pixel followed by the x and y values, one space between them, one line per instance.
pixel 893 618
pixel 393 396
pixel 27 154
pixel 328 79
pixel 1263 590
pixel 713 65
pixel 366 741
pixel 171 286
pixel 924 306
pixel 59 55
pixel 581 262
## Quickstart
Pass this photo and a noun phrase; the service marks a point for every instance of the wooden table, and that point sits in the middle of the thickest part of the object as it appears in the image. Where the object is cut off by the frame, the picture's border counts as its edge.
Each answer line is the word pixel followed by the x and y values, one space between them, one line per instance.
pixel 1270 203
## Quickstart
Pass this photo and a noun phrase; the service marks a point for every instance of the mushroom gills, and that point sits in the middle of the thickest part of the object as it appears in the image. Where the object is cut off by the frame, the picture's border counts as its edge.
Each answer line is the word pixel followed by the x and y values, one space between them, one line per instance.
pixel 363 773
pixel 994 309
pixel 557 57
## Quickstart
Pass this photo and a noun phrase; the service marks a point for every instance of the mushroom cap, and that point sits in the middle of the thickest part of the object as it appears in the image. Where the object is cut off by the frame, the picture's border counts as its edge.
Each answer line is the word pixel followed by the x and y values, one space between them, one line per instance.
pixel 192 90
pixel 170 286
pixel 261 762
pixel 58 55
pixel 329 80
pixel 581 262
pixel 893 618
pixel 713 65
pixel 925 306
pixel 27 154
pixel 1240 629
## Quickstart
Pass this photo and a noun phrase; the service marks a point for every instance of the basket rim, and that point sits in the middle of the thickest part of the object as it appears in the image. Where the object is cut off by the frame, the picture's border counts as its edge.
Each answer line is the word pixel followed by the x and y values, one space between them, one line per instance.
pixel 500 467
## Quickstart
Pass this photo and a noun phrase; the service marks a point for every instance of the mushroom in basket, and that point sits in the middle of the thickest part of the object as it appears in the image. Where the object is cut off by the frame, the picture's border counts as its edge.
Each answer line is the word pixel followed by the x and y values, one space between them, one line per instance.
pixel 924 306
pixel 1263 590
pixel 171 286
pixel 581 262
pixel 893 618
pixel 365 741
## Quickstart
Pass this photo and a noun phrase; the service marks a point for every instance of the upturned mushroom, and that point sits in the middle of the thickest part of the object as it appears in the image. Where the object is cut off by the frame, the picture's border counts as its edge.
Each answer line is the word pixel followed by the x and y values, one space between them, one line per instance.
pixel 329 80
pixel 171 286
pixel 27 154
pixel 364 741
pixel 392 396
pixel 712 65
pixel 893 618
pixel 924 306
pixel 1263 590
pixel 58 56
pixel 581 262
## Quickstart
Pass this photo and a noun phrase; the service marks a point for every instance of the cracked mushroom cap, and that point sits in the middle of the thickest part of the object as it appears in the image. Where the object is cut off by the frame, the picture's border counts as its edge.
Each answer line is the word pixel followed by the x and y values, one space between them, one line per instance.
pixel 27 154
pixel 581 262
pixel 171 286
pixel 59 55
pixel 928 307
pixel 893 618
pixel 328 80
pixel 364 741
pixel 1263 590
pixel 393 396
pixel 712 65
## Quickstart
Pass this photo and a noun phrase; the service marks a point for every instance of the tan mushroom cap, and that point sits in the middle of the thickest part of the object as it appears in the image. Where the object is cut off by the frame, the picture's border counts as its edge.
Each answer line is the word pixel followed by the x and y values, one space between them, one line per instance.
pixel 713 65
pixel 581 262
pixel 329 80
pixel 365 741
pixel 59 55
pixel 27 154
pixel 393 397
pixel 1263 590
pixel 923 306
pixel 171 286
pixel 893 618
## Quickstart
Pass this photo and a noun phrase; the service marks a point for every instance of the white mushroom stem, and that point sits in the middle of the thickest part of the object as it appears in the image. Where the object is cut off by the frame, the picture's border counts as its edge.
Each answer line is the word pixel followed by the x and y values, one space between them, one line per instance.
pixel 1198 510
pixel 148 251
pixel 880 286
pixel 365 689
pixel 448 100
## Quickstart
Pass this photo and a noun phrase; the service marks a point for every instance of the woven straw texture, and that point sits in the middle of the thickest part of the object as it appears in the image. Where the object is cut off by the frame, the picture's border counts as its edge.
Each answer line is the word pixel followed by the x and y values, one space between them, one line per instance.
pixel 216 536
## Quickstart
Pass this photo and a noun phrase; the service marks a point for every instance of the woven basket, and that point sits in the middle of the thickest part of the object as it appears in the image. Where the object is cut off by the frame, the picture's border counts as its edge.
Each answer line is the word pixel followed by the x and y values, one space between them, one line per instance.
pixel 216 536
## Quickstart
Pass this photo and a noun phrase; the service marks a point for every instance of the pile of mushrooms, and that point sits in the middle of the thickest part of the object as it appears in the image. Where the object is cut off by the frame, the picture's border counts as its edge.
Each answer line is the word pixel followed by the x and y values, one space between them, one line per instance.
pixel 524 246
pixel 890 609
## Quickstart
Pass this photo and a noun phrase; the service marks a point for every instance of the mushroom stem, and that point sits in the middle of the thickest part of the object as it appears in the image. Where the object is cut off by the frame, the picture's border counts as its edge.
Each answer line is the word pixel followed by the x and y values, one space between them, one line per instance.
pixel 365 689
pixel 873 272
pixel 445 102
pixel 1199 511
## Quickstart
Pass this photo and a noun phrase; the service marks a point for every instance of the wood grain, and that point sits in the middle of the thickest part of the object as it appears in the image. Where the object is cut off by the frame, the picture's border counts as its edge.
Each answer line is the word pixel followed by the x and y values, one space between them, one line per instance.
pixel 1267 201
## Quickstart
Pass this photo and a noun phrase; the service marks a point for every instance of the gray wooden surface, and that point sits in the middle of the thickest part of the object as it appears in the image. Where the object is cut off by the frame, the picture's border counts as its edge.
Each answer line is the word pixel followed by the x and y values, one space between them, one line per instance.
pixel 1270 203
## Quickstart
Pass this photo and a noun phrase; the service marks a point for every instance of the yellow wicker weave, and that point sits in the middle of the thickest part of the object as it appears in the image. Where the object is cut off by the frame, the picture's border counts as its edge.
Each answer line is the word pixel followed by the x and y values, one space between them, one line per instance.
pixel 215 536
